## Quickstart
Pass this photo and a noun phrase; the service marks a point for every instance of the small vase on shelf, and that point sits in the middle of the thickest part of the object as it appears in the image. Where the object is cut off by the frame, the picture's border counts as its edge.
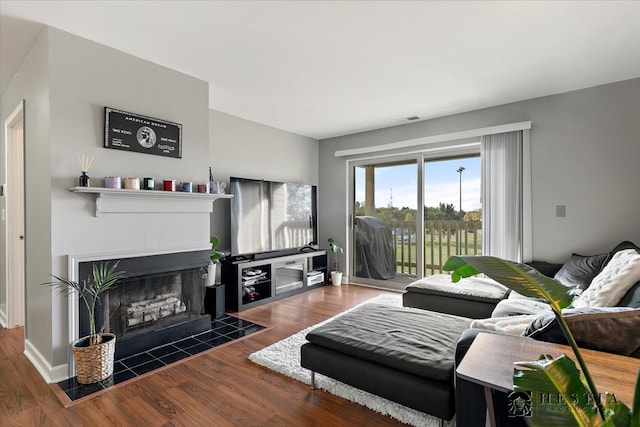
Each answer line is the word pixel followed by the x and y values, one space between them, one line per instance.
pixel 85 164
pixel 84 180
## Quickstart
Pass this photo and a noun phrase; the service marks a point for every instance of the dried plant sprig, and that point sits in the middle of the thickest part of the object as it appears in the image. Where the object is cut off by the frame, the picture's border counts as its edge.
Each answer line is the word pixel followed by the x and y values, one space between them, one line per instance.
pixel 85 162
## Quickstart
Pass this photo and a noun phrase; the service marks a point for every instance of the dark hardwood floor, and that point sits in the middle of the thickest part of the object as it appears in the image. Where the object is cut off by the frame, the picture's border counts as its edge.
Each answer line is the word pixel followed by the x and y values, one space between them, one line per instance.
pixel 220 387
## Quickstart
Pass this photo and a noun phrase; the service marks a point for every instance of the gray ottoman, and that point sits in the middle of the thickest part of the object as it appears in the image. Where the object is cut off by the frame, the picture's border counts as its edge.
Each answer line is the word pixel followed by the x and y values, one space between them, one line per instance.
pixel 471 297
pixel 401 354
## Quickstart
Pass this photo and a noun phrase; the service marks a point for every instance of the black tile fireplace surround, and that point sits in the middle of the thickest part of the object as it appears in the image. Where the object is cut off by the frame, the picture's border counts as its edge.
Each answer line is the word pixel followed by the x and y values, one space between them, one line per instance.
pixel 160 300
pixel 224 330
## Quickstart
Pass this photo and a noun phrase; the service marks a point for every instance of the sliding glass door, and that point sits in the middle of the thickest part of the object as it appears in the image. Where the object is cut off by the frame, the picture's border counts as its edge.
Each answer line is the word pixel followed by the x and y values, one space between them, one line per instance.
pixel 394 242
pixel 385 223
pixel 452 210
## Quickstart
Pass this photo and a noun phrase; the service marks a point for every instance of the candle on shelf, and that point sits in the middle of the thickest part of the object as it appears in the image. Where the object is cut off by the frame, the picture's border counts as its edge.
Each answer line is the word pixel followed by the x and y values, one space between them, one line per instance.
pixel 112 182
pixel 132 183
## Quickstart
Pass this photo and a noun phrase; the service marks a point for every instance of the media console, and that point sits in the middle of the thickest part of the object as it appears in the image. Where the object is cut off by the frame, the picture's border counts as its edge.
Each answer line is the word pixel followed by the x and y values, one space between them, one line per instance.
pixel 250 283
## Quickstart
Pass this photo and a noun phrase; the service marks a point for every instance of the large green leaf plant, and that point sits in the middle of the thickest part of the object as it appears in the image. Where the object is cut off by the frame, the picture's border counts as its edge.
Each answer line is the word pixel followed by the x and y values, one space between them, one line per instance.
pixel 580 403
pixel 103 278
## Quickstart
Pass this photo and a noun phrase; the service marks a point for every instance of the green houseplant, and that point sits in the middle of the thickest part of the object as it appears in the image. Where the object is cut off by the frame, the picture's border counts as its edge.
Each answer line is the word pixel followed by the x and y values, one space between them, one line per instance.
pixel 93 354
pixel 336 274
pixel 214 256
pixel 581 404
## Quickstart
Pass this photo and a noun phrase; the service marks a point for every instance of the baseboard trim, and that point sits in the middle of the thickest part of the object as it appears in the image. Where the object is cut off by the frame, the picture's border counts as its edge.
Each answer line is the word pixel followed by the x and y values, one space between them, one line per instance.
pixel 51 374
pixel 3 319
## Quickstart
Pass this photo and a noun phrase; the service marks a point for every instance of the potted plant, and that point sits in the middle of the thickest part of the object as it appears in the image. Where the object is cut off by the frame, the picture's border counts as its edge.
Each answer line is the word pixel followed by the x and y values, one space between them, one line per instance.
pixel 215 256
pixel 93 354
pixel 336 274
pixel 548 375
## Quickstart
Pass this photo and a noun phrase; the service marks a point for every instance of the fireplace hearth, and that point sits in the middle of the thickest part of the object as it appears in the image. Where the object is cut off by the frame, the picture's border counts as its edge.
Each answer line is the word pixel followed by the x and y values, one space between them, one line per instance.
pixel 160 300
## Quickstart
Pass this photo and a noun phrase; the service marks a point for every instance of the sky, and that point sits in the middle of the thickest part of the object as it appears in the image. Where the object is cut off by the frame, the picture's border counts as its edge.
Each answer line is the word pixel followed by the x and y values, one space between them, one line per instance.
pixel 397 184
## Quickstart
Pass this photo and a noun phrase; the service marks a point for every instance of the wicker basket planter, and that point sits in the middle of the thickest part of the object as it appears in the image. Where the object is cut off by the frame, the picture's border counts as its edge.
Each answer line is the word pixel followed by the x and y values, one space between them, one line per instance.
pixel 94 362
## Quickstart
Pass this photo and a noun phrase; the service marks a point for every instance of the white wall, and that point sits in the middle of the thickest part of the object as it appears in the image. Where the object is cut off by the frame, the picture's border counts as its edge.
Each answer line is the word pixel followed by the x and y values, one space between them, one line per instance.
pixel 83 78
pixel 585 148
pixel 247 149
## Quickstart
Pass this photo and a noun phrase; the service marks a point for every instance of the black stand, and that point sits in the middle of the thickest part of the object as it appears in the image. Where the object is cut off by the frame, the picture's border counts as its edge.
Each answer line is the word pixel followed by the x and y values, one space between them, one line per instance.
pixel 214 301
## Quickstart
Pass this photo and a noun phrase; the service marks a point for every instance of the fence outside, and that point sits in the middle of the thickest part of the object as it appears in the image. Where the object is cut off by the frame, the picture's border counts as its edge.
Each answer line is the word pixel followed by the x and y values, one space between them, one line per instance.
pixel 442 239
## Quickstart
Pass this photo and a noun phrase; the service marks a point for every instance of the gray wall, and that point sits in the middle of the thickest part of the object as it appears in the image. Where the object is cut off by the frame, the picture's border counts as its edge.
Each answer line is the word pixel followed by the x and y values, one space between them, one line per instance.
pixel 67 81
pixel 247 149
pixel 32 84
pixel 585 148
pixel 84 77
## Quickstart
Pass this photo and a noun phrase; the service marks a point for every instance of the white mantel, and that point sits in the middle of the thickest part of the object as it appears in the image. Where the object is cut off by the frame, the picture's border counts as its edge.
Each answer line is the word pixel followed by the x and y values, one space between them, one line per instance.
pixel 114 200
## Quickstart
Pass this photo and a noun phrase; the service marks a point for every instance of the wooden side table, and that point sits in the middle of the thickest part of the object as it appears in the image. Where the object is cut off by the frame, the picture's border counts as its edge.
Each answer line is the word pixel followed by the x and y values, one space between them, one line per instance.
pixel 489 362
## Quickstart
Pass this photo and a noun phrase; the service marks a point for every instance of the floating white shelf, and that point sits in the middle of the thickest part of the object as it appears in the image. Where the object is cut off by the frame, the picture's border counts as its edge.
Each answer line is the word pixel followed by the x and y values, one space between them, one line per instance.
pixel 113 200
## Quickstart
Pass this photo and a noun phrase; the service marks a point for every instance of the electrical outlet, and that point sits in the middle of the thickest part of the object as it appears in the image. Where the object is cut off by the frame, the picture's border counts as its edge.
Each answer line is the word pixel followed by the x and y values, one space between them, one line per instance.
pixel 561 211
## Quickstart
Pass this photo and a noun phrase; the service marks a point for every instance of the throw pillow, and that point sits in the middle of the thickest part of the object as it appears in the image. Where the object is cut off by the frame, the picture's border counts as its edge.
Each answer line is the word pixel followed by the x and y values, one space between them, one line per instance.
pixel 610 329
pixel 632 298
pixel 580 270
pixel 549 269
pixel 621 247
pixel 613 282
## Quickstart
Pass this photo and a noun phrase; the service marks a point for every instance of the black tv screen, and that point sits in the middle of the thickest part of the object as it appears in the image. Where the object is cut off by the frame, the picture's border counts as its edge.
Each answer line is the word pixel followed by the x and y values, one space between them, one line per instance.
pixel 269 216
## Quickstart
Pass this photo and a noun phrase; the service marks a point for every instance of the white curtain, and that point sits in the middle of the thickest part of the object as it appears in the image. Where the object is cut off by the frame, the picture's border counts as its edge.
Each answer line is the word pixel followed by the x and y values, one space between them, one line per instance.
pixel 502 195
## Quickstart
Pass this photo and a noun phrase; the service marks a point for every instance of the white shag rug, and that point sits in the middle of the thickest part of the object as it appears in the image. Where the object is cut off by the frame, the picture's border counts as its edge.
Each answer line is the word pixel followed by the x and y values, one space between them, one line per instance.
pixel 284 357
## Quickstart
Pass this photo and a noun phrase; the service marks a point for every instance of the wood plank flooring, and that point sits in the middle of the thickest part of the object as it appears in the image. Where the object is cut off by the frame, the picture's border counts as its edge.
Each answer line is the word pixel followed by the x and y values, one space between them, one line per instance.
pixel 220 387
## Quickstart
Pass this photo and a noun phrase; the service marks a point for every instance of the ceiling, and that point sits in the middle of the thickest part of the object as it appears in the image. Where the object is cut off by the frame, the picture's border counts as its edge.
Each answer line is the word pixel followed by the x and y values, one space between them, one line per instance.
pixel 330 68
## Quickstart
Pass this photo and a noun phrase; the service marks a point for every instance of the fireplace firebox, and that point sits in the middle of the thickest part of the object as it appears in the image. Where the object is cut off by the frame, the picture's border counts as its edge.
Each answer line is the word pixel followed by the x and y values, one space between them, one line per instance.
pixel 160 300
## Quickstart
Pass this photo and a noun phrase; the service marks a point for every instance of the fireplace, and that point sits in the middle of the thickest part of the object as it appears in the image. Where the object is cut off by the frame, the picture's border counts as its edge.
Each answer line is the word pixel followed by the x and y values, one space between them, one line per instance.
pixel 144 302
pixel 160 300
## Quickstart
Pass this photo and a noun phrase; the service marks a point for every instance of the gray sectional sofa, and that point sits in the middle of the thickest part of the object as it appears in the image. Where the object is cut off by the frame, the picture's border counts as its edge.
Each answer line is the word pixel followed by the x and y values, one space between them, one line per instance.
pixel 409 354
pixel 472 298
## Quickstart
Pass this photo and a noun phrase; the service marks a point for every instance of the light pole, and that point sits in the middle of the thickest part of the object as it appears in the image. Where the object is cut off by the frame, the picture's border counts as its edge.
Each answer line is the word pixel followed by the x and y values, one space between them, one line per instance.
pixel 460 170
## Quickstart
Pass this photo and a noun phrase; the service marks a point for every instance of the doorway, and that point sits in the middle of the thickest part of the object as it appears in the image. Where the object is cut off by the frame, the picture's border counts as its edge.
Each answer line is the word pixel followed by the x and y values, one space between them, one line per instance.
pixel 12 303
pixel 385 222
pixel 411 213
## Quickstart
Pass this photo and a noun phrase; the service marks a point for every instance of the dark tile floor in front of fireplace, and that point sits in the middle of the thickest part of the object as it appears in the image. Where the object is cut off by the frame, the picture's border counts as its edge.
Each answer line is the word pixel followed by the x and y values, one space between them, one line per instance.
pixel 223 330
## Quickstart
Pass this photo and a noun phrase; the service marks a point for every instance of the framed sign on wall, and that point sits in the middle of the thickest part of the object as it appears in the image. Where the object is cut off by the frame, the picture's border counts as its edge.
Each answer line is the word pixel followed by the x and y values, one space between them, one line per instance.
pixel 141 134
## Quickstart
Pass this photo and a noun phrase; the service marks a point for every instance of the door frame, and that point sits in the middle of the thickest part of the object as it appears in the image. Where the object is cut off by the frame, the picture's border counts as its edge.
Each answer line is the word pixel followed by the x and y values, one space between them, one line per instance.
pixel 14 217
pixel 351 165
pixel 450 149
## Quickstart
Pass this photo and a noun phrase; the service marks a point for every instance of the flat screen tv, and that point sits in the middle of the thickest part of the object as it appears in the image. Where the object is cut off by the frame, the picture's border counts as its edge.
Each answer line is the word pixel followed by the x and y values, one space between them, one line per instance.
pixel 269 216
